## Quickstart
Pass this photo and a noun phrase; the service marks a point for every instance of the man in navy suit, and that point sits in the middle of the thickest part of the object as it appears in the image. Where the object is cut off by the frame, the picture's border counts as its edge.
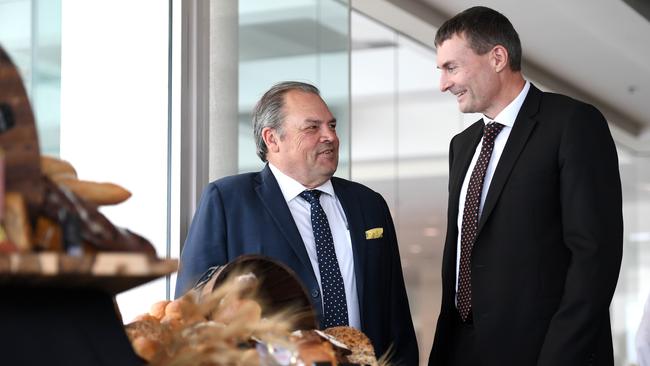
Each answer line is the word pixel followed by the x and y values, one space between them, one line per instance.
pixel 535 228
pixel 267 213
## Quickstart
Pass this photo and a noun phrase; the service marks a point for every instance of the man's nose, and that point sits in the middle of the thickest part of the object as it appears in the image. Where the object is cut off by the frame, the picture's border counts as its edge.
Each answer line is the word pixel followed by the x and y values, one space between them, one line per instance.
pixel 445 84
pixel 328 134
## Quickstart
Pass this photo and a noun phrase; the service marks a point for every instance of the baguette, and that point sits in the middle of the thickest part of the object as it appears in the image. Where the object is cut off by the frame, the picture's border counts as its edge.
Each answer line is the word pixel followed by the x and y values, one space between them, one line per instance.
pixel 95 192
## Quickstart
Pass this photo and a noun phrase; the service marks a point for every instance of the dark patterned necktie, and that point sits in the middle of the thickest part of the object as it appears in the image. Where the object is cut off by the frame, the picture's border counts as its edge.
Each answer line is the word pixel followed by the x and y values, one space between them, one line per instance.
pixel 469 226
pixel 335 304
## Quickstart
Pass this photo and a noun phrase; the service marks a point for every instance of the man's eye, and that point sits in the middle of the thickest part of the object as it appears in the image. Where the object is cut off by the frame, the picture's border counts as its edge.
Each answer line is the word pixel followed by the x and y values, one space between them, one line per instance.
pixel 333 126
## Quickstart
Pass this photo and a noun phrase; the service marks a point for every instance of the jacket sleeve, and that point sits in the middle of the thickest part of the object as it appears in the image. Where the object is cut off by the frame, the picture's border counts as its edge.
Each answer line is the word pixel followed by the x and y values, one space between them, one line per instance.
pixel 591 206
pixel 205 245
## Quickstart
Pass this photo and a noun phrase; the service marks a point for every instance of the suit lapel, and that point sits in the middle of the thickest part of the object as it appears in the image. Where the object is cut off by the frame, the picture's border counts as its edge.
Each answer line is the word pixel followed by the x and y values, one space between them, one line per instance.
pixel 269 192
pixel 356 226
pixel 524 125
pixel 461 163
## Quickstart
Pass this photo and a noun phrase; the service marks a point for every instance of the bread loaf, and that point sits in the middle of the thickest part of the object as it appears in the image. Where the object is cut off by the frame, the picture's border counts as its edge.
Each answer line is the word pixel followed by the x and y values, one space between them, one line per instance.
pixel 362 350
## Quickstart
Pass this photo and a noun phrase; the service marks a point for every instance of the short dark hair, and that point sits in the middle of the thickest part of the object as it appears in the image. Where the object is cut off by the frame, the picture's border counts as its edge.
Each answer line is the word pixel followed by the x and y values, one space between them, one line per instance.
pixel 483 28
pixel 269 111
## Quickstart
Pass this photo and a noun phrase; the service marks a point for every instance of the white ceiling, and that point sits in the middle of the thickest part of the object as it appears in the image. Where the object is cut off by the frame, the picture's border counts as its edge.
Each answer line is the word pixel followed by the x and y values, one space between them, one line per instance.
pixel 595 50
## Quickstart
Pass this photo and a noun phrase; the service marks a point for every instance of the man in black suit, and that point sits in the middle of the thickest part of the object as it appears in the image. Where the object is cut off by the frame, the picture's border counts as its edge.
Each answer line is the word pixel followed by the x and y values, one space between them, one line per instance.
pixel 535 229
pixel 337 235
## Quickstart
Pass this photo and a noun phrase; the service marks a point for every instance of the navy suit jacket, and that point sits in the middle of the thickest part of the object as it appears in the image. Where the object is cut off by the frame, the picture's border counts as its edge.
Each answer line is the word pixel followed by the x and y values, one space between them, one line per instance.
pixel 548 250
pixel 247 214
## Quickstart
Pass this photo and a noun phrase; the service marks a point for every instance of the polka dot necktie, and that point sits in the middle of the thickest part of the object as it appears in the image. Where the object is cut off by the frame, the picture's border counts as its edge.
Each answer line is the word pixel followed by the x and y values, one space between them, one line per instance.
pixel 469 226
pixel 335 304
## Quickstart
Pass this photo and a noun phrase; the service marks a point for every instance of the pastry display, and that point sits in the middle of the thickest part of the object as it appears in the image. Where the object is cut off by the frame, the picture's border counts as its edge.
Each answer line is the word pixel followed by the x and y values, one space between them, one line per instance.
pixel 239 322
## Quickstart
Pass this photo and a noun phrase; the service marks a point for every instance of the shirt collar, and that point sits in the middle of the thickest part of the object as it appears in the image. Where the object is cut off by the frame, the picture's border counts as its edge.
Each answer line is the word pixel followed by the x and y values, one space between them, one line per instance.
pixel 291 188
pixel 508 115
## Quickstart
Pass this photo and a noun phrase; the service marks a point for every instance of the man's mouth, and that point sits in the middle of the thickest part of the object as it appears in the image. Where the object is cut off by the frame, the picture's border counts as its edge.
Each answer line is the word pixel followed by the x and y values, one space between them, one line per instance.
pixel 326 152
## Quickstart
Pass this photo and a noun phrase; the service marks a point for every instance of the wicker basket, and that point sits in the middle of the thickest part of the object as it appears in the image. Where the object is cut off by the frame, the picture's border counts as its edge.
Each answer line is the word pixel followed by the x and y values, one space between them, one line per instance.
pixel 279 286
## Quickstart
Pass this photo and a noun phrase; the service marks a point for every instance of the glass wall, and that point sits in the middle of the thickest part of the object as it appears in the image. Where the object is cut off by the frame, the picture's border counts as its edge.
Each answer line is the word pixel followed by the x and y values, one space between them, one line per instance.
pixel 303 40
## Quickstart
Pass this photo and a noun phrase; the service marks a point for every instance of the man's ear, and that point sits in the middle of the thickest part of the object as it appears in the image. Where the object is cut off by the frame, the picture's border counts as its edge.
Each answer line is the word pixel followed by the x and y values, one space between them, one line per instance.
pixel 499 58
pixel 271 137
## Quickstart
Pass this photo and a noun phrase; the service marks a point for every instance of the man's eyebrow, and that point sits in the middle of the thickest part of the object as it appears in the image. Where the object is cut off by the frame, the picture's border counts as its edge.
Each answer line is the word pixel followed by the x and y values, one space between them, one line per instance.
pixel 319 121
pixel 445 65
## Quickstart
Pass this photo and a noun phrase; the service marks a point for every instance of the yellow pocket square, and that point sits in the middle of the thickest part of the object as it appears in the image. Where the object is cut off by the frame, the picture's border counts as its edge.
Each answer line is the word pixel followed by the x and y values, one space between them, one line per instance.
pixel 375 233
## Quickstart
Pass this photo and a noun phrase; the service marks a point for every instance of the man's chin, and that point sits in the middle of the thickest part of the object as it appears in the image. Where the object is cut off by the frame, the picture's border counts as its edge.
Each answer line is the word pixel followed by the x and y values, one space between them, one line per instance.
pixel 465 108
pixel 328 170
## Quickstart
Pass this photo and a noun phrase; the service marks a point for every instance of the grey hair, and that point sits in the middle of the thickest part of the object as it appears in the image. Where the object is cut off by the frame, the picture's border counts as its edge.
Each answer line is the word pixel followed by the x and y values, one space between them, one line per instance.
pixel 269 111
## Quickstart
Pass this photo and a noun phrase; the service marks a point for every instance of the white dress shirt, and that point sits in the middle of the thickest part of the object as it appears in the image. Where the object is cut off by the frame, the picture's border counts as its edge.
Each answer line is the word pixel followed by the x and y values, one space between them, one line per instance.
pixel 301 212
pixel 507 118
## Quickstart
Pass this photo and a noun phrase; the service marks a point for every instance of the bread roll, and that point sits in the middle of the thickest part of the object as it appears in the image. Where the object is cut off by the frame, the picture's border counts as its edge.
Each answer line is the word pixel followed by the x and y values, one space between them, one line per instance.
pixel 157 310
pixel 179 308
pixel 145 348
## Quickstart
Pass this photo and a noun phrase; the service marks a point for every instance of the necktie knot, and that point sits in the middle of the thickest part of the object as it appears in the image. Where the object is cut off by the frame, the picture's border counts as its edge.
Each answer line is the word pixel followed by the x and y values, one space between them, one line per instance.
pixel 311 196
pixel 491 130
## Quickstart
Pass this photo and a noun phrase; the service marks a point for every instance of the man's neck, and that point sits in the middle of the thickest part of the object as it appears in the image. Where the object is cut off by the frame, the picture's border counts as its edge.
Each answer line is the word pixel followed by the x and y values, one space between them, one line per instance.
pixel 513 83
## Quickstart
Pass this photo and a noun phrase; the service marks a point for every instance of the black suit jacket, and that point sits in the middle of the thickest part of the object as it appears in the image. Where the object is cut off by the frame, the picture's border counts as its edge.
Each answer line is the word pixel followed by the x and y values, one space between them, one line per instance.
pixel 247 214
pixel 547 256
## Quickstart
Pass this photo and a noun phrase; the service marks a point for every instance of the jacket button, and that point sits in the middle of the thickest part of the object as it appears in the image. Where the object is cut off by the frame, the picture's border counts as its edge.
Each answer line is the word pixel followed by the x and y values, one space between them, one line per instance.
pixel 314 293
